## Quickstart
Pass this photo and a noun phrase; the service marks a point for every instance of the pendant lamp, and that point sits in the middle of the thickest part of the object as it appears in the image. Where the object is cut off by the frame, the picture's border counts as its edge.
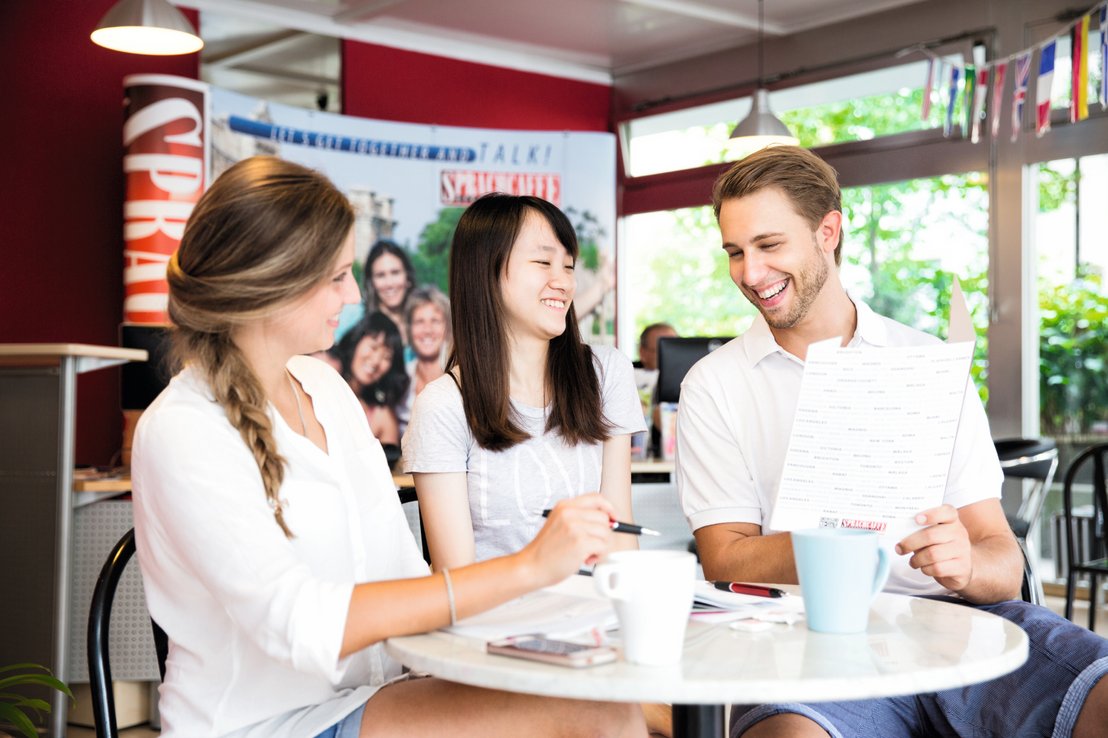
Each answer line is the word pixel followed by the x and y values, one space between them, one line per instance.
pixel 151 27
pixel 761 127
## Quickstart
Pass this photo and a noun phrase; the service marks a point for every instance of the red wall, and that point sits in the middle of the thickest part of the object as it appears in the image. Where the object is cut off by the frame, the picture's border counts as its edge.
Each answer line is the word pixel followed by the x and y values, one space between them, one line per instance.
pixel 389 84
pixel 61 210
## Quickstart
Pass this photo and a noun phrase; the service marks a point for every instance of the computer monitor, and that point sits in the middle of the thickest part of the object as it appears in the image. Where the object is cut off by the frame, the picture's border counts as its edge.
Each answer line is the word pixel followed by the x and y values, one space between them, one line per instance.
pixel 676 356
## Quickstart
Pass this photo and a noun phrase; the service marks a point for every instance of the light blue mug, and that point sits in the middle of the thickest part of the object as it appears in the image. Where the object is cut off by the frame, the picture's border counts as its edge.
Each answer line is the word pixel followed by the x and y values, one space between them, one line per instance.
pixel 840 571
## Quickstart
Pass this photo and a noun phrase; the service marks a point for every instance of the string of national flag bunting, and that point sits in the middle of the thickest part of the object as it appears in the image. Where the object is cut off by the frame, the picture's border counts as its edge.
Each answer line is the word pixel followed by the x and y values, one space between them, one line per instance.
pixel 973 83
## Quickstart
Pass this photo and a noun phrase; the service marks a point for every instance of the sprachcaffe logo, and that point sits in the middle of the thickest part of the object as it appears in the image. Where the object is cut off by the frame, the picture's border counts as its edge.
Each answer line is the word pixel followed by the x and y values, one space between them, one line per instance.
pixel 458 187
pixel 877 525
pixel 164 169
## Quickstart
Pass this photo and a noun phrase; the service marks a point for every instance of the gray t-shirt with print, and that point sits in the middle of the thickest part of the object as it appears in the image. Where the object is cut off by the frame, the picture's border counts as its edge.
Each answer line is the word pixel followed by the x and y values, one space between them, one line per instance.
pixel 508 490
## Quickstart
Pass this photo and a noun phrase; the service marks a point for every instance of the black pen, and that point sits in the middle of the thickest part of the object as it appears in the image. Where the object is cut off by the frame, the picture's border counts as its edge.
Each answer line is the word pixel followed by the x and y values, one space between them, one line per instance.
pixel 618 527
pixel 750 589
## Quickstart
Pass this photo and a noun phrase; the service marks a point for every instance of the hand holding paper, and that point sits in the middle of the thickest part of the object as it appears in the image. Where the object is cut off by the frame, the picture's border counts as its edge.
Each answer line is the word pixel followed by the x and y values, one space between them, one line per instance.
pixel 941 549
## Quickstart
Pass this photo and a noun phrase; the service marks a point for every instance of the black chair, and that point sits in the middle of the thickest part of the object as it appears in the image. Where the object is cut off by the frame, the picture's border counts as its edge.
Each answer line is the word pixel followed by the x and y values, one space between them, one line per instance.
pixel 1035 459
pixel 1088 559
pixel 99 617
pixel 392 454
pixel 408 496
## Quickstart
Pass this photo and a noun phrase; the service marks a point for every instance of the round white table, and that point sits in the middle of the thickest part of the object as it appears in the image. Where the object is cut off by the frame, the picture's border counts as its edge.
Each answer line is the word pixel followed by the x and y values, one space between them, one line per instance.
pixel 912 646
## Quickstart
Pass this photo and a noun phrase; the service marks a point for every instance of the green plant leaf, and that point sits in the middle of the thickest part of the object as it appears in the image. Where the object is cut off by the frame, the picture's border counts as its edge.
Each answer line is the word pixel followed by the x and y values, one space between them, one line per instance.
pixel 42 679
pixel 26 665
pixel 18 720
pixel 33 703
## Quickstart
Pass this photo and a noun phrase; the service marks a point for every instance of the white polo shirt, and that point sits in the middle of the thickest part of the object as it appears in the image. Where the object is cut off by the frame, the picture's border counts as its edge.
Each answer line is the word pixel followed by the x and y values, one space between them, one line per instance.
pixel 736 414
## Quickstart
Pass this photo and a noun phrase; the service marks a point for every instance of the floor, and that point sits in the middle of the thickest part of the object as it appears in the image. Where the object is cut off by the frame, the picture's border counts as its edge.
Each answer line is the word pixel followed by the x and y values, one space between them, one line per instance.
pixel 1080 615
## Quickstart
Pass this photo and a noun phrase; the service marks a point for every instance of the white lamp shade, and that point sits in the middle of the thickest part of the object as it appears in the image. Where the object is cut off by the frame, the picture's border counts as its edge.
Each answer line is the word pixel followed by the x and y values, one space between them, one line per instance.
pixel 759 129
pixel 151 27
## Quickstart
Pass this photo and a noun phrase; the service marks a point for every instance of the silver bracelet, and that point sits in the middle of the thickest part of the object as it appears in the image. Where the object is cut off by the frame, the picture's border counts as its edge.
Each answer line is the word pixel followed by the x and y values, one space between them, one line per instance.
pixel 450 595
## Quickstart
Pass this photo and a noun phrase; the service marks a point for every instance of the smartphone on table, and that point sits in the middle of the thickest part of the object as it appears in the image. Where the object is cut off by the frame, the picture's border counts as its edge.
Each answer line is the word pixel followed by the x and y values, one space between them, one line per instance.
pixel 548 650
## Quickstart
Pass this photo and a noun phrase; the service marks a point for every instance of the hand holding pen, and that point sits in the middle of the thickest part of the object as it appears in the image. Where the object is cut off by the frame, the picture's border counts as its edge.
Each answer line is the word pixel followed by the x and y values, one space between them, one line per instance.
pixel 577 531
pixel 619 527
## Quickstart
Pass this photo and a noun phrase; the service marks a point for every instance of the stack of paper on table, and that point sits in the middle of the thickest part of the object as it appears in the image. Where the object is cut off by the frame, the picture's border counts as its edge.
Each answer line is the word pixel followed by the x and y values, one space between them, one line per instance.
pixel 711 605
pixel 570 610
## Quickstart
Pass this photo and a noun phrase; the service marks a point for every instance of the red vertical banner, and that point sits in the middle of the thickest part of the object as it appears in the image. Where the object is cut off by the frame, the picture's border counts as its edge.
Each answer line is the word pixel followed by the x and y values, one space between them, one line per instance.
pixel 165 172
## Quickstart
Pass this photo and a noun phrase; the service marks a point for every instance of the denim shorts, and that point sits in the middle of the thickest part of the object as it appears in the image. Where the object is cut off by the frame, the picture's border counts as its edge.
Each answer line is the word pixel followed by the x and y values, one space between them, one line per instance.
pixel 349 727
pixel 1041 698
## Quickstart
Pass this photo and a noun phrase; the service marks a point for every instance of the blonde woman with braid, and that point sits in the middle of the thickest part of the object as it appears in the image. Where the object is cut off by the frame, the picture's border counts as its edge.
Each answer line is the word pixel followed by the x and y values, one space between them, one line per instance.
pixel 273 548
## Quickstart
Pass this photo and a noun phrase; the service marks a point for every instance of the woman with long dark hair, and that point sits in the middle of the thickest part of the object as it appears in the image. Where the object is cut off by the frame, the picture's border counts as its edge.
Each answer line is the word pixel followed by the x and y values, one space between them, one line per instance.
pixel 371 359
pixel 388 282
pixel 527 413
pixel 273 547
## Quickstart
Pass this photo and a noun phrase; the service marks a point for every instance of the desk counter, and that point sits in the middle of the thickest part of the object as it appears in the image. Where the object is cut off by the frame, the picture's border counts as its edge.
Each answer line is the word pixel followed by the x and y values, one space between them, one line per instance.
pixel 645 470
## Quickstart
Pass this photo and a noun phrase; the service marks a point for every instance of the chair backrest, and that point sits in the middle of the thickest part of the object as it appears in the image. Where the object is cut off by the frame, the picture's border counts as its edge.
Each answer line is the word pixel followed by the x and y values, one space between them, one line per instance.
pixel 408 496
pixel 1098 455
pixel 99 618
pixel 1031 588
pixel 1029 458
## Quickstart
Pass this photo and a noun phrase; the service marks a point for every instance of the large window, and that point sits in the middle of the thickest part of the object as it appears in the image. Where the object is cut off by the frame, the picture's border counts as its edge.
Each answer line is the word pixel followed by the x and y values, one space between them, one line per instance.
pixel 858 107
pixel 1072 262
pixel 907 241
pixel 904 244
pixel 1071 258
pixel 678 274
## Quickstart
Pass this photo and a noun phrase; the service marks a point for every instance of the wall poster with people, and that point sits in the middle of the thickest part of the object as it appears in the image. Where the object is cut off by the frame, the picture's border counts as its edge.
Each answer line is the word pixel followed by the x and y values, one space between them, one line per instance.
pixel 409 184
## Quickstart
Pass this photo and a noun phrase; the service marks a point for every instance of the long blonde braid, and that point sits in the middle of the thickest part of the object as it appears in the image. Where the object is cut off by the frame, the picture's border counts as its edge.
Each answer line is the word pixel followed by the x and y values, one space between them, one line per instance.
pixel 264 234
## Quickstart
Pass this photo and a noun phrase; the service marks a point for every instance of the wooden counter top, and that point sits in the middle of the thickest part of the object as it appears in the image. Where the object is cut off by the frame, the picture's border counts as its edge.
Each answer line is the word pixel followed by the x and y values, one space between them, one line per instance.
pixel 122 483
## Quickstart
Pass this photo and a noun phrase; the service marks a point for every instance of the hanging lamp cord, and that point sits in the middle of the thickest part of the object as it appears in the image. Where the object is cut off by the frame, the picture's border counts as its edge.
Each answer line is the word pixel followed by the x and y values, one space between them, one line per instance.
pixel 761 39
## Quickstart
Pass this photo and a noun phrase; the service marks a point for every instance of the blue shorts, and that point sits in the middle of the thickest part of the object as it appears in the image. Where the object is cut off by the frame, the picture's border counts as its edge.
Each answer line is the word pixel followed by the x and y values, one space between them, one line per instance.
pixel 1041 698
pixel 349 727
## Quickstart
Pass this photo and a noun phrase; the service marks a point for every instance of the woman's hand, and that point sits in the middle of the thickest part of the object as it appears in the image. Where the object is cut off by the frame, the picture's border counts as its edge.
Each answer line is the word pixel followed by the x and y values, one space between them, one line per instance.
pixel 578 531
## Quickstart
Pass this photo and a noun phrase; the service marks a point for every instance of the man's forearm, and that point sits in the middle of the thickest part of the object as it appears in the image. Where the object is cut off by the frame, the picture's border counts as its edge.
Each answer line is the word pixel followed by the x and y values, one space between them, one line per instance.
pixel 730 556
pixel 997 571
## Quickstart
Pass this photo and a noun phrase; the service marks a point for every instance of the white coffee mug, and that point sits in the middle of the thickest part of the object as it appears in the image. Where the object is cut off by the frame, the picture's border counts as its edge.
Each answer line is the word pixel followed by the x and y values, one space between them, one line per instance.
pixel 652 592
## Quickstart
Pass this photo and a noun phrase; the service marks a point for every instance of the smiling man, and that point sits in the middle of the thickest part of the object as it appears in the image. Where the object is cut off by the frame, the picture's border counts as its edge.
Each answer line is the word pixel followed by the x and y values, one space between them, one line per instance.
pixel 780 218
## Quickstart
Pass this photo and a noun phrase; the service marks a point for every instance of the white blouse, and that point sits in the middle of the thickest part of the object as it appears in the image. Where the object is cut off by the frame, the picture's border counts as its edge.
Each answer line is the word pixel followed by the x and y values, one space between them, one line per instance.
pixel 256 620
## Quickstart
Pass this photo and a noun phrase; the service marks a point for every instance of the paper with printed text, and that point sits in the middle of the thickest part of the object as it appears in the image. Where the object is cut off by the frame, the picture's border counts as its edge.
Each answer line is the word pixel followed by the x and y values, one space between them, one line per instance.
pixel 874 431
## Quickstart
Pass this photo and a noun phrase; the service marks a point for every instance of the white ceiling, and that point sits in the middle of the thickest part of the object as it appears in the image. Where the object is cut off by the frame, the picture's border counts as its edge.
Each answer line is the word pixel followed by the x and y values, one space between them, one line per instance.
pixel 293 41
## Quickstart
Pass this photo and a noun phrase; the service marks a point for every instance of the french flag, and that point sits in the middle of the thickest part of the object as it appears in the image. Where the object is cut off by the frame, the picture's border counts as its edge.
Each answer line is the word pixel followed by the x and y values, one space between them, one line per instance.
pixel 1042 89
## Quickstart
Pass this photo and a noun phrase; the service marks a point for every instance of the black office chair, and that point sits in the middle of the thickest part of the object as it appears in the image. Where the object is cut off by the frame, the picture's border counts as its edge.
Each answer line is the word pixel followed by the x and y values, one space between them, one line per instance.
pixel 1091 560
pixel 99 666
pixel 1035 459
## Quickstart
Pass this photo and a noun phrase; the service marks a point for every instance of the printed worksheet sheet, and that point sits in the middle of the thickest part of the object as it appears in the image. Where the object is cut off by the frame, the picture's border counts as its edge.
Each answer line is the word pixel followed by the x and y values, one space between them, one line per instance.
pixel 873 432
